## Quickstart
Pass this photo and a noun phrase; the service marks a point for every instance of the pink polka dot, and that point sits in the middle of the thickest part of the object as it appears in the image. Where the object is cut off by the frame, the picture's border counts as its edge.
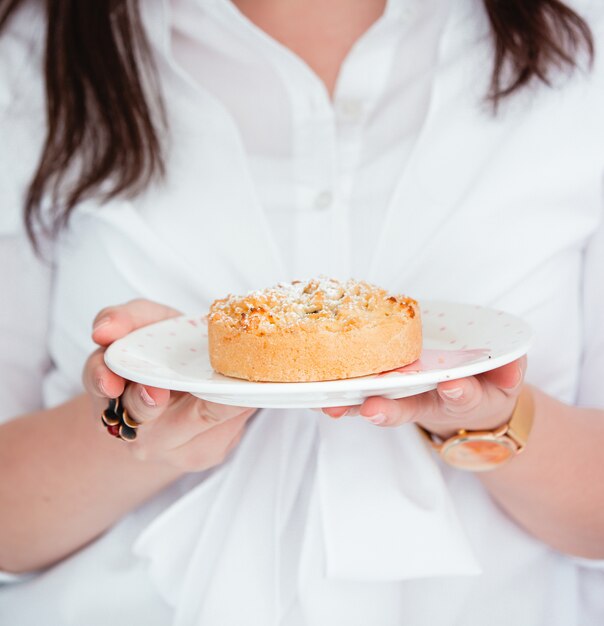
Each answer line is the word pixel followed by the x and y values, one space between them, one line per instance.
pixel 167 348
pixel 192 322
pixel 140 345
pixel 124 350
pixel 465 346
pixel 441 315
pixel 148 334
pixel 193 349
pixel 442 328
pixel 453 341
pixel 425 311
pixel 172 334
pixel 470 323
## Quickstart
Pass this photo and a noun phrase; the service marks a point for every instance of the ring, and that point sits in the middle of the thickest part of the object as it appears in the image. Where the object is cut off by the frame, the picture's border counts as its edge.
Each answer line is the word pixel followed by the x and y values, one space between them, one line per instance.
pixel 118 422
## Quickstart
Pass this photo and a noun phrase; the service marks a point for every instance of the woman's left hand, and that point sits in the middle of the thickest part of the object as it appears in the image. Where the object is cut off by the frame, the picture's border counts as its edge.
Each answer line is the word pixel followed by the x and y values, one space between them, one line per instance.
pixel 482 402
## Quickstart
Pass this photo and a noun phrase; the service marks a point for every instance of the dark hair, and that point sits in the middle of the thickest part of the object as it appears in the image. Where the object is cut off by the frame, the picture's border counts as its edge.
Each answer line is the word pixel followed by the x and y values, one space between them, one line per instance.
pixel 103 103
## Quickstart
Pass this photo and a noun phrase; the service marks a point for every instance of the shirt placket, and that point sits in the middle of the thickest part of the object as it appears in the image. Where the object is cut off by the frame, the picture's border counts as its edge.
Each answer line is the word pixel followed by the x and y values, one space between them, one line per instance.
pixel 329 140
pixel 327 137
pixel 318 238
pixel 362 82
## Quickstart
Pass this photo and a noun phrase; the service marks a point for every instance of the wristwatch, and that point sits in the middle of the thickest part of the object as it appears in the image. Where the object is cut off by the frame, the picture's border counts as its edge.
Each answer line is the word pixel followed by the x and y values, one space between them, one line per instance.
pixel 484 450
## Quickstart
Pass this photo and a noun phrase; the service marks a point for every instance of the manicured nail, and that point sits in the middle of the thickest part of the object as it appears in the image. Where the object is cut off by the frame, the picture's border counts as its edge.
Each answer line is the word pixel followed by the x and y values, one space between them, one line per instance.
pixel 146 398
pixel 377 419
pixel 452 394
pixel 100 323
pixel 101 387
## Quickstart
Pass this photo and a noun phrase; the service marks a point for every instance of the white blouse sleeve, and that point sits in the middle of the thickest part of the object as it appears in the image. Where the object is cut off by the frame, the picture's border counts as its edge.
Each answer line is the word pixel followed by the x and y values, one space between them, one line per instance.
pixel 24 278
pixel 591 382
pixel 25 286
pixel 591 385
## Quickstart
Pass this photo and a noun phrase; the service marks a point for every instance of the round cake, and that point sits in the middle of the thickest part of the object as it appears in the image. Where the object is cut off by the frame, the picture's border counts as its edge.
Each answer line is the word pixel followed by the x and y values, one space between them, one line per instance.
pixel 317 330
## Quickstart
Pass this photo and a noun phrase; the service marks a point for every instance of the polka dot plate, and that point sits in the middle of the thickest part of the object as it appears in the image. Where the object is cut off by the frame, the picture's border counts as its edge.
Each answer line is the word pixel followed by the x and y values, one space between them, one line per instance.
pixel 459 340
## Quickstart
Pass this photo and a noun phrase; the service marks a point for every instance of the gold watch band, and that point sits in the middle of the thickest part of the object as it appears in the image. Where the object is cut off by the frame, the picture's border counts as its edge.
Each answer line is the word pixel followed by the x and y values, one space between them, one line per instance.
pixel 520 423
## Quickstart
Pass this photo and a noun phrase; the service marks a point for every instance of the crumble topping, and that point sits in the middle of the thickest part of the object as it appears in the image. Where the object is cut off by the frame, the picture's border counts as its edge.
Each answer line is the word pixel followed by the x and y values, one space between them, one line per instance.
pixel 323 301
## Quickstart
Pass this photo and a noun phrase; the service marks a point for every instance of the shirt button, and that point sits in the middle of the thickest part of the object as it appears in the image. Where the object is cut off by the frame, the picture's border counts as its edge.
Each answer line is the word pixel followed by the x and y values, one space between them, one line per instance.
pixel 323 201
pixel 350 110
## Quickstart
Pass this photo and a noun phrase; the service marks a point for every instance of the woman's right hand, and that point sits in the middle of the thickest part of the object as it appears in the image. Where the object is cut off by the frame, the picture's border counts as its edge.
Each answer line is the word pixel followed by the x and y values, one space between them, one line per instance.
pixel 177 429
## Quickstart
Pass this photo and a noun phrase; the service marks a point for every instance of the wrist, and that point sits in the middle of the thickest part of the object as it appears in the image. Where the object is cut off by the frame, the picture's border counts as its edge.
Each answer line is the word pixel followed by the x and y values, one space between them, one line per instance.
pixel 481 449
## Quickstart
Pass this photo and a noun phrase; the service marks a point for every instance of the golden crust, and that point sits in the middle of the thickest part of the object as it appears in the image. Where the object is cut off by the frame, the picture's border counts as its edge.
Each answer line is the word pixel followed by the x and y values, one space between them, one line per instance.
pixel 318 330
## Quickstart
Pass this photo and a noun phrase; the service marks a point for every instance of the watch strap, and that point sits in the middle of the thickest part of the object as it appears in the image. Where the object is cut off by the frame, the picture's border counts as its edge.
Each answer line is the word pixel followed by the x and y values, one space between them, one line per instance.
pixel 521 421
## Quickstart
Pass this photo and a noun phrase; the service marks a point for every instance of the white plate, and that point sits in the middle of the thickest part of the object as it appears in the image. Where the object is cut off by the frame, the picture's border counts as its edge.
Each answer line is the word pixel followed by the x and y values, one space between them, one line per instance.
pixel 459 340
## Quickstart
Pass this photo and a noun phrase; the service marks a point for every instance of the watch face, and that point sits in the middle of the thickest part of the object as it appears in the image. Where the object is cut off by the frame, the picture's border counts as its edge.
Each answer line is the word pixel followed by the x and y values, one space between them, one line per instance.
pixel 478 453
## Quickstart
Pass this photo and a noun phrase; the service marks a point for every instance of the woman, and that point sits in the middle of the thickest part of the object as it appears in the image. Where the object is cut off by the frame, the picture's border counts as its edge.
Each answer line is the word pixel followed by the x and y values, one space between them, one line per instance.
pixel 303 141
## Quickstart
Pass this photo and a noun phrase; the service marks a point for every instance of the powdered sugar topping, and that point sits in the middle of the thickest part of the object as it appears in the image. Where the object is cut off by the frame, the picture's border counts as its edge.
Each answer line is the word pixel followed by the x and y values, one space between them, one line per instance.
pixel 320 300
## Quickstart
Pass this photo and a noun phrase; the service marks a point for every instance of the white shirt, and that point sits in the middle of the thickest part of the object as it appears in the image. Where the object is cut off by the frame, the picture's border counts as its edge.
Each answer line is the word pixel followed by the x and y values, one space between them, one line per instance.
pixel 504 211
pixel 314 161
pixel 24 281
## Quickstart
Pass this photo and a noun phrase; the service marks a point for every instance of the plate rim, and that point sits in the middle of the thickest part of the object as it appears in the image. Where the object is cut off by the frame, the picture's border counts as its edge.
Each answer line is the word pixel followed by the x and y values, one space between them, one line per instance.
pixel 247 388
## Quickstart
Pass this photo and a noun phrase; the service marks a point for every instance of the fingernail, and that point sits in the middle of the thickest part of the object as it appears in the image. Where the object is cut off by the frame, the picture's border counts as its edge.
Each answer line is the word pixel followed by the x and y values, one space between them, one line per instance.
pixel 377 419
pixel 146 398
pixel 101 386
pixel 452 394
pixel 100 323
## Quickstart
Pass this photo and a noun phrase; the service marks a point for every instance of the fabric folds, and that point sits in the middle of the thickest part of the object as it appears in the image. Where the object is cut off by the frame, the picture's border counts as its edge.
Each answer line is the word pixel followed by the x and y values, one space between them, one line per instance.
pixel 306 507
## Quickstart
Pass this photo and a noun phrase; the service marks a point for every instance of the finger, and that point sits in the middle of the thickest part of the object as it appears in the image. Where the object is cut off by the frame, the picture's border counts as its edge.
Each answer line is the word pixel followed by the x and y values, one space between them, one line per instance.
pixel 143 403
pixel 472 398
pixel 471 402
pixel 99 380
pixel 115 322
pixel 213 413
pixel 384 412
pixel 186 419
pixel 508 377
pixel 457 399
pixel 336 412
pixel 210 447
pixel 460 396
